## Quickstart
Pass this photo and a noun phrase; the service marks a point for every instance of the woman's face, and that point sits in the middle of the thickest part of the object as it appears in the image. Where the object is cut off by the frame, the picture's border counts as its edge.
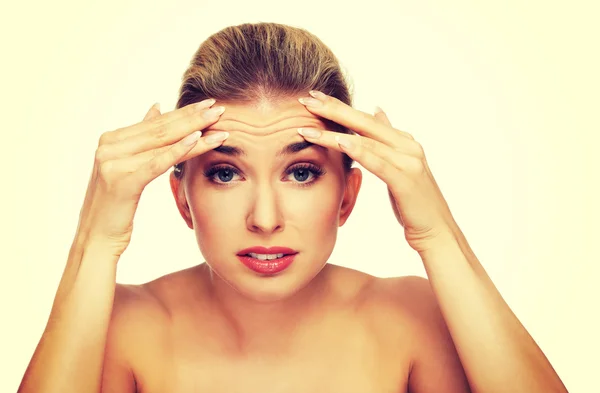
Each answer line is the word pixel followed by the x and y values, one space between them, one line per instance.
pixel 261 198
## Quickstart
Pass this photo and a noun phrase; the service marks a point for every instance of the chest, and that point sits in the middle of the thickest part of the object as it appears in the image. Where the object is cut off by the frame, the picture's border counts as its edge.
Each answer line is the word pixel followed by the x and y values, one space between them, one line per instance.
pixel 355 359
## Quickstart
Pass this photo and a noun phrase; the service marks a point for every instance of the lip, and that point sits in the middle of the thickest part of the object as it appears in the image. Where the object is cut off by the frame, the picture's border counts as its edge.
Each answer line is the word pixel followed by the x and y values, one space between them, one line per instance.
pixel 269 266
pixel 267 250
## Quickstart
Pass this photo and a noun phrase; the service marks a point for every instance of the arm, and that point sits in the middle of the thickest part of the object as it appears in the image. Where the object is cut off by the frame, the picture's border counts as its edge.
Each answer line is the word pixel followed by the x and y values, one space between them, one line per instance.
pixel 496 351
pixel 435 365
pixel 117 371
pixel 70 353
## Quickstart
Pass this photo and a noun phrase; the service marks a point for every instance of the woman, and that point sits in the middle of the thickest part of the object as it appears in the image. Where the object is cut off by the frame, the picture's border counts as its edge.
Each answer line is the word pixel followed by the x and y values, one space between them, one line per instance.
pixel 264 179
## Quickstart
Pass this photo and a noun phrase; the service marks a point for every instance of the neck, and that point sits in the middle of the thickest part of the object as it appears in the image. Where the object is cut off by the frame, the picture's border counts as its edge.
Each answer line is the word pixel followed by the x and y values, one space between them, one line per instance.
pixel 268 326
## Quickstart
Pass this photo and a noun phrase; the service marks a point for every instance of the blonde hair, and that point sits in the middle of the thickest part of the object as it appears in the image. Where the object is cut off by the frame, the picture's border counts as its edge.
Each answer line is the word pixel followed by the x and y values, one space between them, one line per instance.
pixel 264 61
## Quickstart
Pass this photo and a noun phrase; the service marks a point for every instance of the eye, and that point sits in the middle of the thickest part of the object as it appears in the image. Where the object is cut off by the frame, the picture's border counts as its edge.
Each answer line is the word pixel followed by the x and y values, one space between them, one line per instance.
pixel 223 172
pixel 302 172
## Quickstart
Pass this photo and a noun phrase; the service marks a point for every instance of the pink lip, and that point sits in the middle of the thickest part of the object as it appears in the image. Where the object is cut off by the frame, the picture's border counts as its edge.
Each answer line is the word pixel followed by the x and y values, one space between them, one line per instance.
pixel 267 267
pixel 267 250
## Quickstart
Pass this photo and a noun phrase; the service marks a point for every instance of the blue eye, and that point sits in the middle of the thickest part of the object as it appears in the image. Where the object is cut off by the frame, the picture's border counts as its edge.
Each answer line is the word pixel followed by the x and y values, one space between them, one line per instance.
pixel 225 173
pixel 303 171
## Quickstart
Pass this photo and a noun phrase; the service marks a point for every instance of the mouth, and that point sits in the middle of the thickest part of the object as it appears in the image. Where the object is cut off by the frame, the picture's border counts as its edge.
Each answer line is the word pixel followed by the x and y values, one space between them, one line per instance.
pixel 265 257
pixel 267 260
pixel 267 253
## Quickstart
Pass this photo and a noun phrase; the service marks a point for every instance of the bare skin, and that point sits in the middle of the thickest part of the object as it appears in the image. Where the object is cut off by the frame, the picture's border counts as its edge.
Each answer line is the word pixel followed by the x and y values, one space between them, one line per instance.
pixel 218 326
pixel 192 331
pixel 360 334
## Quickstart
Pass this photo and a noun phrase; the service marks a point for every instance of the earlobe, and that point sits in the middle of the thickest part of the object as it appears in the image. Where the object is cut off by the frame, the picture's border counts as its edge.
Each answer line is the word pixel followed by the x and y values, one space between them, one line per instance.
pixel 353 183
pixel 180 201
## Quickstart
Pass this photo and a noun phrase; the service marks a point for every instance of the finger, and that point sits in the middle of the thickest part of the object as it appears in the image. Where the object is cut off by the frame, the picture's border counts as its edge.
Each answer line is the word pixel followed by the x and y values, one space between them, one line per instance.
pixel 382 161
pixel 153 112
pixel 328 138
pixel 121 134
pixel 381 116
pixel 168 155
pixel 375 156
pixel 161 136
pixel 354 119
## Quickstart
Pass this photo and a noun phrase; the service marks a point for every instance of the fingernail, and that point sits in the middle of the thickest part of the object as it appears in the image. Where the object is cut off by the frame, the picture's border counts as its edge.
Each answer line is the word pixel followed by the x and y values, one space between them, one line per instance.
pixel 217 137
pixel 192 138
pixel 310 101
pixel 378 110
pixel 213 113
pixel 343 142
pixel 156 106
pixel 309 132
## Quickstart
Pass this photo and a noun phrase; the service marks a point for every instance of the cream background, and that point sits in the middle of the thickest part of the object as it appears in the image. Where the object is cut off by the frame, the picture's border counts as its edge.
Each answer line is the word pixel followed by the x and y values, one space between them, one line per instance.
pixel 503 97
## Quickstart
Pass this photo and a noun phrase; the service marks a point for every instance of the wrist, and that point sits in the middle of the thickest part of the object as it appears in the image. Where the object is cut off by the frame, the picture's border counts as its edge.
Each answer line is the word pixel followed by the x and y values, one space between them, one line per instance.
pixel 441 241
pixel 103 246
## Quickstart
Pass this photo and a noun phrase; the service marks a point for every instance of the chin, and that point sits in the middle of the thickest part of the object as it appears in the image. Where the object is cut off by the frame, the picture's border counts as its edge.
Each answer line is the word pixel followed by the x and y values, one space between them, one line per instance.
pixel 269 288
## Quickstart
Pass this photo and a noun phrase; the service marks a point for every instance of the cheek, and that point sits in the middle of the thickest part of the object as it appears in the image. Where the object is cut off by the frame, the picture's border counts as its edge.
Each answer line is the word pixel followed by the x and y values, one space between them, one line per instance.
pixel 214 214
pixel 315 210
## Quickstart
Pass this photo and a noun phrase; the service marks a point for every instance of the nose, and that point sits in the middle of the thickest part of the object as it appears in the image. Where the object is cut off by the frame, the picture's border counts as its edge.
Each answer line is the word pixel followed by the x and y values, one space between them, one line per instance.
pixel 265 215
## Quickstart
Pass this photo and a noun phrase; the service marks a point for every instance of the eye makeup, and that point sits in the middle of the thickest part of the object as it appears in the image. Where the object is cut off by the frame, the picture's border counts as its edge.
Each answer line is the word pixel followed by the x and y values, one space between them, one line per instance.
pixel 305 169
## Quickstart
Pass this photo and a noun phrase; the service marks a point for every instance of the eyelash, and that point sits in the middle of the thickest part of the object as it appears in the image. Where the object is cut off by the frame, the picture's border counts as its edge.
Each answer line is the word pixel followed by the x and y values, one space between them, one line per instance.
pixel 317 172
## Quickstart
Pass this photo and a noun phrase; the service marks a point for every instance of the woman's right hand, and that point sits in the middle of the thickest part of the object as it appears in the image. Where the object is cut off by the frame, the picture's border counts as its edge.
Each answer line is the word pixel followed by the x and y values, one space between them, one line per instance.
pixel 129 158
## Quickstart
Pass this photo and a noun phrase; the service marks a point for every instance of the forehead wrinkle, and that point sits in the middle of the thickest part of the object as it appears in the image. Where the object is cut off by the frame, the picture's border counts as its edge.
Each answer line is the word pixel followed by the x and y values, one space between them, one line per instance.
pixel 222 125
pixel 305 114
pixel 230 122
pixel 289 149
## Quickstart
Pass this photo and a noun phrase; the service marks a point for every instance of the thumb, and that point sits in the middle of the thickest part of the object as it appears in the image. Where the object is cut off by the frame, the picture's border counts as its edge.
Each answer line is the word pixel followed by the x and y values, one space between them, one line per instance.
pixel 153 112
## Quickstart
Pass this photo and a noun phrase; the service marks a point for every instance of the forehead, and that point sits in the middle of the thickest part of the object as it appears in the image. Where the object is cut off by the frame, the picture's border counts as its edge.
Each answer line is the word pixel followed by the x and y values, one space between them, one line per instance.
pixel 264 120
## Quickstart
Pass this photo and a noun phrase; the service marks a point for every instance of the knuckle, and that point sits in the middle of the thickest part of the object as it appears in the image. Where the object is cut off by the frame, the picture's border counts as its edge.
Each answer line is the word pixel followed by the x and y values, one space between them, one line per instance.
pixel 405 134
pixel 156 120
pixel 105 138
pixel 106 170
pixel 414 166
pixel 191 110
pixel 380 165
pixel 409 136
pixel 157 153
pixel 101 153
pixel 420 152
pixel 160 132
pixel 154 167
pixel 368 143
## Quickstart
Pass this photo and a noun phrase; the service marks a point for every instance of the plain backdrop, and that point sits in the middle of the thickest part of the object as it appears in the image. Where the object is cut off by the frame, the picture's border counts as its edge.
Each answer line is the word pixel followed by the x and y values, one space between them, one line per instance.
pixel 503 95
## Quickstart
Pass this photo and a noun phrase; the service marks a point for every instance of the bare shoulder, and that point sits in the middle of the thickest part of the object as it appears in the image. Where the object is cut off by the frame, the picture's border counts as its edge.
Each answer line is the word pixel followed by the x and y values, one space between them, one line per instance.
pixel 399 306
pixel 136 314
pixel 394 307
pixel 141 313
pixel 135 305
pixel 408 306
pixel 133 322
pixel 408 295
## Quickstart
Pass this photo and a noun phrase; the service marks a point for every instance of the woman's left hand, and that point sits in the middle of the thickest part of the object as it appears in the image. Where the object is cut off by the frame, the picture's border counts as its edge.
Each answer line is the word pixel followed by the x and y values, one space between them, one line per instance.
pixel 393 156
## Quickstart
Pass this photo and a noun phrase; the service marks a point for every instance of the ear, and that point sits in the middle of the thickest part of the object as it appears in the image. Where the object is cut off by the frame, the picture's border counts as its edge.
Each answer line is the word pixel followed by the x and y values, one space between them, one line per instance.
pixel 353 182
pixel 180 199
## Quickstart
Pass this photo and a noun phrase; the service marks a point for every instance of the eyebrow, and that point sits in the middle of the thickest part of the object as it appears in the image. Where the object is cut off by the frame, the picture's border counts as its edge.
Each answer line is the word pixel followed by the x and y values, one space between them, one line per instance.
pixel 292 148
